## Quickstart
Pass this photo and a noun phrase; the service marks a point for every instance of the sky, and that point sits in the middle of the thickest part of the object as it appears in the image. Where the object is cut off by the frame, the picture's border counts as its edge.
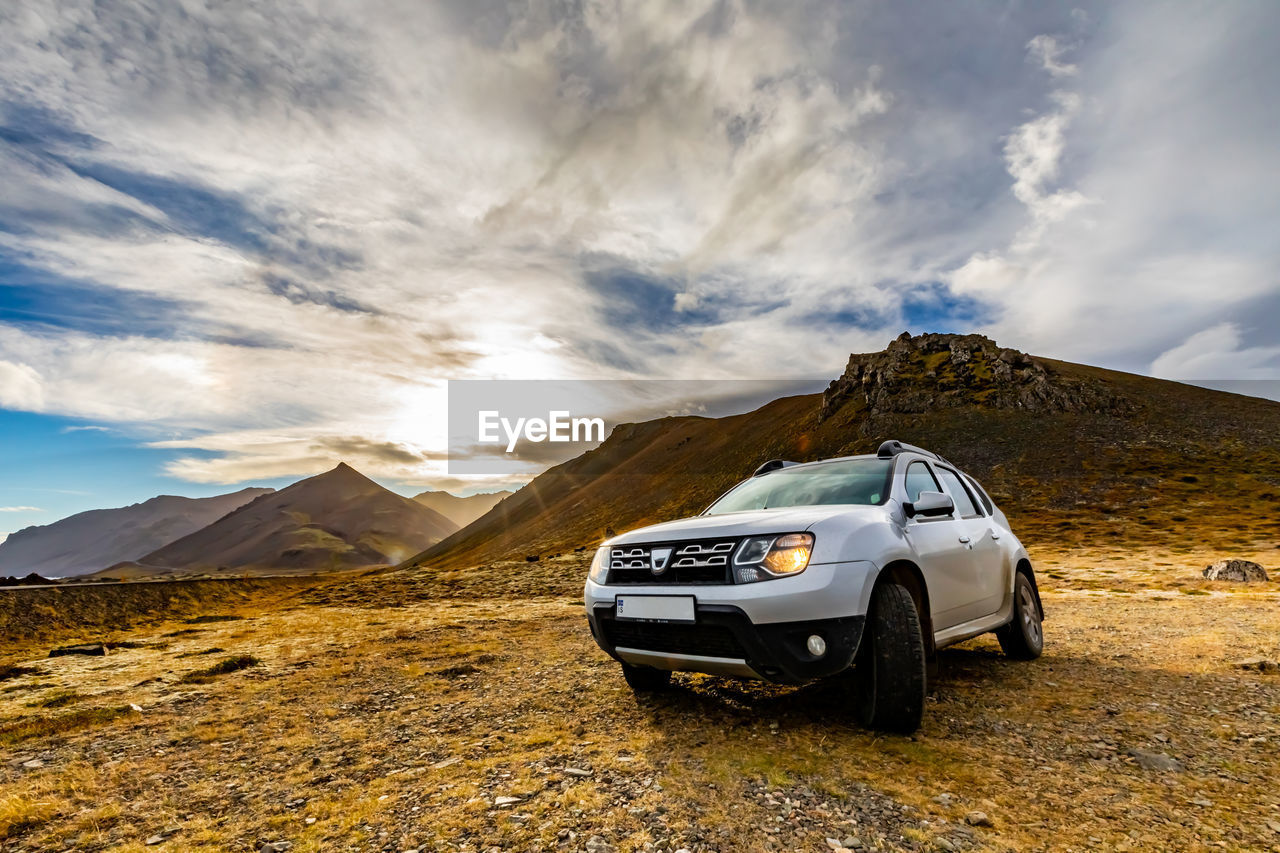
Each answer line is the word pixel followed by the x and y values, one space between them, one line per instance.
pixel 240 241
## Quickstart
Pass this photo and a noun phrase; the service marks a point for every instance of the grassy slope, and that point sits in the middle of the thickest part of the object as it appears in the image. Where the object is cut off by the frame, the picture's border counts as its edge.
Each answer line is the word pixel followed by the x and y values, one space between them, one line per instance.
pixel 1186 467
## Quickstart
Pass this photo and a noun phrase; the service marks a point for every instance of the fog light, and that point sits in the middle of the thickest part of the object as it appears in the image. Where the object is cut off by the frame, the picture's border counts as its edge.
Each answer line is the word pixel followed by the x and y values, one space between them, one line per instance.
pixel 817 646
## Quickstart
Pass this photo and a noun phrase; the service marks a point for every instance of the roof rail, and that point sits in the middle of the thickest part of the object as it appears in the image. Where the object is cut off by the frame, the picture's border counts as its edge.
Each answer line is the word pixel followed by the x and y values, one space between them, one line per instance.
pixel 893 447
pixel 773 465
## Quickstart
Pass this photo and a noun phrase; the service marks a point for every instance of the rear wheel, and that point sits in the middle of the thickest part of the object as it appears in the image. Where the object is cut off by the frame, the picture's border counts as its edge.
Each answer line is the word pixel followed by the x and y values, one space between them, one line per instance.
pixel 889 671
pixel 644 679
pixel 1023 638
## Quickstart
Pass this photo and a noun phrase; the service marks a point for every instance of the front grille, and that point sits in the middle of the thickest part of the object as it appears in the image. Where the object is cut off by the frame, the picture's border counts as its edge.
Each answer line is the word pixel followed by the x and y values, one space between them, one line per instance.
pixel 703 561
pixel 714 641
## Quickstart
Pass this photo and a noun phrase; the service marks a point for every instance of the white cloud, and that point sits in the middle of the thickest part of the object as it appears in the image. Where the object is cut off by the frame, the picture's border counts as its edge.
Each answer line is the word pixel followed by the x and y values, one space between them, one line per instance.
pixel 20 387
pixel 1217 353
pixel 1033 153
pixel 20 509
pixel 1046 51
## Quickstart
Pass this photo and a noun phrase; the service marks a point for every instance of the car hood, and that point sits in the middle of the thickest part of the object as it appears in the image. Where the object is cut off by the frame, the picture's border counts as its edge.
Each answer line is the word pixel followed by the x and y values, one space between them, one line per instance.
pixel 750 522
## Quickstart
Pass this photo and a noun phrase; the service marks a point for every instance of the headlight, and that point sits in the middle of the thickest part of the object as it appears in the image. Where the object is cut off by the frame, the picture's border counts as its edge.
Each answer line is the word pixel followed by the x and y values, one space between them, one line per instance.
pixel 600 565
pixel 763 557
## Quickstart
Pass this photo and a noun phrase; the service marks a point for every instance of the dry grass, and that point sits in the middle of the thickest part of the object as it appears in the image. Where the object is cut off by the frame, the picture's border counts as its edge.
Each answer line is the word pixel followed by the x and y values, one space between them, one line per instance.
pixel 397 722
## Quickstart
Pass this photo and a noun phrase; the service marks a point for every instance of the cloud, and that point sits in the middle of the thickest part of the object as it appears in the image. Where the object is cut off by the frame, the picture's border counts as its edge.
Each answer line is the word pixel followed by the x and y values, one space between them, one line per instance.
pixel 262 232
pixel 1217 353
pixel 1033 153
pixel 238 457
pixel 20 509
pixel 1046 51
pixel 20 387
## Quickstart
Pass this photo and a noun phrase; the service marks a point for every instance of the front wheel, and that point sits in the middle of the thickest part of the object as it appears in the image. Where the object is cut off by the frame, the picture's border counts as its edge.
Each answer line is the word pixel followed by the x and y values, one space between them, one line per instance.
pixel 644 679
pixel 1023 638
pixel 889 673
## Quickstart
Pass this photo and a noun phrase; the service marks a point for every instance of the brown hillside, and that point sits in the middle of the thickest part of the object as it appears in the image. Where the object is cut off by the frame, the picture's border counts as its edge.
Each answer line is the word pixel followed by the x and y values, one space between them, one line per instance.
pixel 461 511
pixel 1071 452
pixel 86 542
pixel 336 520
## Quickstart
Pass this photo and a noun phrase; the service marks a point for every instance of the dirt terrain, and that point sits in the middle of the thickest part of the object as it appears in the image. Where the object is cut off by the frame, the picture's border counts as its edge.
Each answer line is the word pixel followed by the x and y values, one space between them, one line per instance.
pixel 402 712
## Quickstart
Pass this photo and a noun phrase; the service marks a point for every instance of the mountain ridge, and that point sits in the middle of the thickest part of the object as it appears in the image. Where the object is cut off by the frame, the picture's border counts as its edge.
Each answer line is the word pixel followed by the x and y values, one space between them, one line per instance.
pixel 461 510
pixel 1068 450
pixel 88 541
pixel 338 519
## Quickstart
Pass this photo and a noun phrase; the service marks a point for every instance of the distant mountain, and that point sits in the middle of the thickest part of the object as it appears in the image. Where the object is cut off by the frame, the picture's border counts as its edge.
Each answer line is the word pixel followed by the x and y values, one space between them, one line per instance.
pixel 1074 454
pixel 83 543
pixel 461 511
pixel 335 520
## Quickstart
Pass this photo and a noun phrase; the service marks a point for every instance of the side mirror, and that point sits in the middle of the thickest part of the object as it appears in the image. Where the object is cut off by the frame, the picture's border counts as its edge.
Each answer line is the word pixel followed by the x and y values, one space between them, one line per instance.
pixel 930 505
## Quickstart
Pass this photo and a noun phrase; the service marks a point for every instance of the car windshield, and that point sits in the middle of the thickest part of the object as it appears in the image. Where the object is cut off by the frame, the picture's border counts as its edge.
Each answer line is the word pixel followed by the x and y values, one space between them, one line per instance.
pixel 847 481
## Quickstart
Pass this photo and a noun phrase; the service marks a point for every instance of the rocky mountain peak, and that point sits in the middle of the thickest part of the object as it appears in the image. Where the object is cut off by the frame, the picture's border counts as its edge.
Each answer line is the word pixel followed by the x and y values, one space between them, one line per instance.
pixel 918 373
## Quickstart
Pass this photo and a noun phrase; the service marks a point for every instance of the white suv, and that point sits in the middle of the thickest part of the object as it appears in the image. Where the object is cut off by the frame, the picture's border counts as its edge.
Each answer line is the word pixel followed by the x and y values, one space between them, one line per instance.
pixel 865 564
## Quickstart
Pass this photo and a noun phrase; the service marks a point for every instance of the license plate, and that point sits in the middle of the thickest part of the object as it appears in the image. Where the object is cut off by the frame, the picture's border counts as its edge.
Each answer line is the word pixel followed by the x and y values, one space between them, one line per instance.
pixel 656 608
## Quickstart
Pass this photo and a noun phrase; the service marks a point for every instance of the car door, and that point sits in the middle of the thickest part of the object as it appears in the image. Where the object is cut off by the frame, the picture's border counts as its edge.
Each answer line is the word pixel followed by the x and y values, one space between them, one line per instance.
pixel 985 555
pixel 941 552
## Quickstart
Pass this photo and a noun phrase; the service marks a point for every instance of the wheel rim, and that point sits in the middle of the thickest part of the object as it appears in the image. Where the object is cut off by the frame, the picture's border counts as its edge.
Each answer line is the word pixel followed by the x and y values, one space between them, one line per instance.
pixel 1030 613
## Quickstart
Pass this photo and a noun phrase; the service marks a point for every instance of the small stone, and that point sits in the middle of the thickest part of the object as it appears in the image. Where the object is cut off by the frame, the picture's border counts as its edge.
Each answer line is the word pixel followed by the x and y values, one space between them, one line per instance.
pixel 1157 761
pixel 33 764
pixel 944 799
pixel 850 841
pixel 136 708
pixel 275 846
pixel 309 821
pixel 978 819
pixel 834 844
pixel 154 840
pixel 596 844
pixel 577 771
pixel 505 801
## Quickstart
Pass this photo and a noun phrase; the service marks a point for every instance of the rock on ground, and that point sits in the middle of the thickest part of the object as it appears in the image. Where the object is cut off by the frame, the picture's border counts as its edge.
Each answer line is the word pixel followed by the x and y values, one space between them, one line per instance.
pixel 1235 570
pixel 87 649
pixel 1158 761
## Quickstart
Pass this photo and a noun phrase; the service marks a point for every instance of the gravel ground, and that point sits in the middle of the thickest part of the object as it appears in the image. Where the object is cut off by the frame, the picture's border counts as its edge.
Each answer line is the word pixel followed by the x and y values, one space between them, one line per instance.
pixel 387 723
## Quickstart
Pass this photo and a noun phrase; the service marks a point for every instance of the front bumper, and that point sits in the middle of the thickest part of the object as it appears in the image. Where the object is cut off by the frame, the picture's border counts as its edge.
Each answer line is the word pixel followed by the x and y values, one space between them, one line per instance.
pixel 752 630
pixel 724 641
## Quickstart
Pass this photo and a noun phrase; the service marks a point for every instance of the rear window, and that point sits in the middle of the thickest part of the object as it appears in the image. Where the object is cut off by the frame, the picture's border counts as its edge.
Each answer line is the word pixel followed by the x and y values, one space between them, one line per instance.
pixel 959 493
pixel 847 481
pixel 982 494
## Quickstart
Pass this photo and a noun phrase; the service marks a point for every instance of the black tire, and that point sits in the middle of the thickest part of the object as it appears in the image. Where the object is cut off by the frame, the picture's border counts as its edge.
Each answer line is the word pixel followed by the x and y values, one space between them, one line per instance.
pixel 645 679
pixel 890 678
pixel 1023 638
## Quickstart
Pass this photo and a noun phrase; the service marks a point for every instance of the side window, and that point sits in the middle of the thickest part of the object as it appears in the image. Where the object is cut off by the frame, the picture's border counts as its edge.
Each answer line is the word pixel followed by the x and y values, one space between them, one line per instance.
pixel 920 479
pixel 982 494
pixel 959 493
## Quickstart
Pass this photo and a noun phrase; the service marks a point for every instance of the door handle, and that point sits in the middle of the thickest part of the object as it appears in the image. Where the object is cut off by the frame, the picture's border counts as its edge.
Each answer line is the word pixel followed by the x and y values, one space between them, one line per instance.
pixel 964 539
pixel 995 535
